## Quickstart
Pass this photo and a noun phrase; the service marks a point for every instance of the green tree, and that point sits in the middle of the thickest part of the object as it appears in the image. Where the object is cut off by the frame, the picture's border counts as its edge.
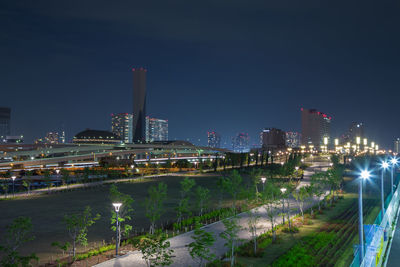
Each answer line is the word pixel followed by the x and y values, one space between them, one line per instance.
pixel 65 177
pixel 270 198
pixel 255 176
pixel 301 195
pixel 202 199
pixel 155 250
pixel 252 221
pixel 125 212
pixel 199 249
pixel 231 235
pixel 154 204
pixel 77 225
pixel 18 233
pixel 233 186
pixel 64 247
pixel 47 178
pixel 27 184
pixel 4 186
pixel 183 204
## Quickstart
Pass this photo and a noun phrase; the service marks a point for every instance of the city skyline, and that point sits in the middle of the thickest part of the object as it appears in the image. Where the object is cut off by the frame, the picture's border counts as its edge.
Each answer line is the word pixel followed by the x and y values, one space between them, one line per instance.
pixel 333 71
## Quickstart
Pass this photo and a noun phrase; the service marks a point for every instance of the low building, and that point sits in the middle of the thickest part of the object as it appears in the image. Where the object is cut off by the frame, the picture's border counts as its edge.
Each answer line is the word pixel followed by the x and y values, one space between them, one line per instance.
pixel 96 137
pixel 273 139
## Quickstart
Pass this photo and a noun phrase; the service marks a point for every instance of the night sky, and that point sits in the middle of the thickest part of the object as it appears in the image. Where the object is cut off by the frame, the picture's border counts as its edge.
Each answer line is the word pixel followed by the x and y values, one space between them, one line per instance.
pixel 230 66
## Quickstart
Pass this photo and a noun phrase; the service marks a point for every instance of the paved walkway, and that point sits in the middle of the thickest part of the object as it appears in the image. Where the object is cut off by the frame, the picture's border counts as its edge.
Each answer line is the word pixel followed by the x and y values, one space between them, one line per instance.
pixel 394 252
pixel 178 243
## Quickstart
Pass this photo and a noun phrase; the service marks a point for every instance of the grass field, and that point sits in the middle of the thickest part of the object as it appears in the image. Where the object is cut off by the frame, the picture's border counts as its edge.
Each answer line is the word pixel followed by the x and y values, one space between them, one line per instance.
pixel 47 211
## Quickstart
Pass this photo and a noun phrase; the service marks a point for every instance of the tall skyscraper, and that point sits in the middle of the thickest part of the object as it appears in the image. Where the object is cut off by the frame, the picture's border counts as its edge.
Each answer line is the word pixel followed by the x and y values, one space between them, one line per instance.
pixel 240 143
pixel 315 125
pixel 5 118
pixel 396 148
pixel 121 126
pixel 139 104
pixel 156 129
pixel 214 139
pixel 273 138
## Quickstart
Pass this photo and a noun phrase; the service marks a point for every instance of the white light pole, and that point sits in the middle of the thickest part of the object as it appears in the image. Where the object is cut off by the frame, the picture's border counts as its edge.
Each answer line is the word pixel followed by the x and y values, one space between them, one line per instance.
pixel 263 179
pixel 283 190
pixel 394 163
pixel 13 179
pixel 385 165
pixel 364 175
pixel 117 206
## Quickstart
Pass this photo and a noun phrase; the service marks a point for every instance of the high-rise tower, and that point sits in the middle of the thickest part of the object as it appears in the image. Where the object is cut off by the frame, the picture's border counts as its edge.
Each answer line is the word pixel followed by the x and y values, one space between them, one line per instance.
pixel 139 104
pixel 5 116
pixel 315 126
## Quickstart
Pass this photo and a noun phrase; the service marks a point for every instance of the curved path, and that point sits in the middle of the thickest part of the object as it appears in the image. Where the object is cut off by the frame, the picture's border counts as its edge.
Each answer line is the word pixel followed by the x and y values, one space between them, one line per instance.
pixel 179 243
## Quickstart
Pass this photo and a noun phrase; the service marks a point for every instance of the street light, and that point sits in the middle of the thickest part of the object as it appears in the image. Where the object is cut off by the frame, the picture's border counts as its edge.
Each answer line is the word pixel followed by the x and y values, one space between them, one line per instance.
pixel 364 175
pixel 283 190
pixel 263 179
pixel 394 163
pixel 117 206
pixel 385 165
pixel 13 179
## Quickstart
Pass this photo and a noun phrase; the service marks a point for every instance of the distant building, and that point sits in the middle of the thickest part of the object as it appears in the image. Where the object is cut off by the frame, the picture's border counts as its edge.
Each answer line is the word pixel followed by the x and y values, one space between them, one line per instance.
pixel 96 137
pixel 139 104
pixel 273 139
pixel 355 130
pixel 52 138
pixel 214 139
pixel 121 126
pixel 5 122
pixel 240 143
pixel 396 148
pixel 315 125
pixel 156 129
pixel 62 138
pixel 16 139
pixel 293 139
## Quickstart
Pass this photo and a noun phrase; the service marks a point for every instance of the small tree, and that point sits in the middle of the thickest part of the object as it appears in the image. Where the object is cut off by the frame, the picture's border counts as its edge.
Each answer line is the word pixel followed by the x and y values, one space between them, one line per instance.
pixel 183 204
pixel 65 176
pixel 199 249
pixel 18 233
pixel 77 226
pixel 27 185
pixel 154 204
pixel 4 187
pixel 252 222
pixel 270 198
pixel 64 247
pixel 202 198
pixel 155 250
pixel 125 212
pixel 300 195
pixel 233 185
pixel 231 235
pixel 47 178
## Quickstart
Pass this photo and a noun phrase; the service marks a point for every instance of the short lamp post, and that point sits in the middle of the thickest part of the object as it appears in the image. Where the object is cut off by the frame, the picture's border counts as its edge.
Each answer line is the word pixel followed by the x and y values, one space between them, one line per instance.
pixel 394 163
pixel 364 175
pixel 13 179
pixel 58 172
pixel 117 207
pixel 263 179
pixel 385 165
pixel 283 190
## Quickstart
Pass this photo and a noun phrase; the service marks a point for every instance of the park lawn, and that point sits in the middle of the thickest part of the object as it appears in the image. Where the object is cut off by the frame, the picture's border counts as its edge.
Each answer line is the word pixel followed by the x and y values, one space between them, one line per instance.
pixel 286 241
pixel 47 211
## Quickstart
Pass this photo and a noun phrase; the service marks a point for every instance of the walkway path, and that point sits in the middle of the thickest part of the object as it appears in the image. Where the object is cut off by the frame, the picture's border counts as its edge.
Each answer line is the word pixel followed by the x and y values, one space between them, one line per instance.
pixel 178 243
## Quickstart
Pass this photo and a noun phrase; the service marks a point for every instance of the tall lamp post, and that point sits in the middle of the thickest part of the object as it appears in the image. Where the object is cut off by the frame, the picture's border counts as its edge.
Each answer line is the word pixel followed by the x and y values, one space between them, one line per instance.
pixel 385 165
pixel 263 179
pixel 283 190
pixel 394 163
pixel 117 206
pixel 13 179
pixel 364 175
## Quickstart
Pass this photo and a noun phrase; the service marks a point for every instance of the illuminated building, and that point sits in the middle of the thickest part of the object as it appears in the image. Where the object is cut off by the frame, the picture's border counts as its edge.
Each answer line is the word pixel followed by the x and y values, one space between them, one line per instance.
pixel 96 137
pixel 17 139
pixel 121 126
pixel 139 104
pixel 240 143
pixel 396 148
pixel 293 139
pixel 273 138
pixel 51 138
pixel 355 130
pixel 156 129
pixel 214 139
pixel 5 117
pixel 62 138
pixel 315 125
